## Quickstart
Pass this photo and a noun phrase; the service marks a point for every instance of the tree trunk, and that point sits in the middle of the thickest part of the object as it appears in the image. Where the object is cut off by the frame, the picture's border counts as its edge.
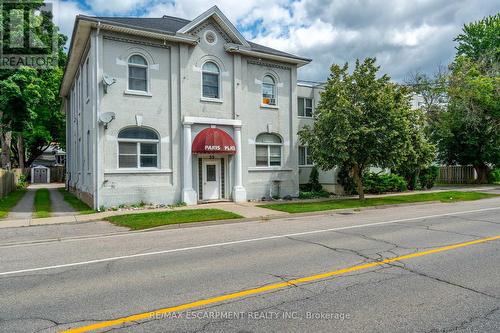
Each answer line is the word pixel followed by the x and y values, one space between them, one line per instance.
pixel 483 172
pixel 6 141
pixel 357 175
pixel 21 152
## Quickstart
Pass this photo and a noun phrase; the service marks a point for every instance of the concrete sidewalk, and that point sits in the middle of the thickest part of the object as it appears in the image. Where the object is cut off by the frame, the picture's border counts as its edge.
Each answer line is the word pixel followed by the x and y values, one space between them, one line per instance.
pixel 248 210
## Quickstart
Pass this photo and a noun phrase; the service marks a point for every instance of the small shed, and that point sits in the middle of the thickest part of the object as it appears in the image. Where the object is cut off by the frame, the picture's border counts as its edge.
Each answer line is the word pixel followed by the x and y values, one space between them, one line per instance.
pixel 40 174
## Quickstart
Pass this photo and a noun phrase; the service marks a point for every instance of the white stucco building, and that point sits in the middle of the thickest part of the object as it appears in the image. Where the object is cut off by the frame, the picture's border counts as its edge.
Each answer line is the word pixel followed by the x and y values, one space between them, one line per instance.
pixel 166 110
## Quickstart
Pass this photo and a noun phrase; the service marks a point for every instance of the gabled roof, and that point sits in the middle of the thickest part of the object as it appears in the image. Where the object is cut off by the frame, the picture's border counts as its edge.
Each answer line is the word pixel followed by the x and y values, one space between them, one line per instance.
pixel 166 28
pixel 175 25
pixel 221 19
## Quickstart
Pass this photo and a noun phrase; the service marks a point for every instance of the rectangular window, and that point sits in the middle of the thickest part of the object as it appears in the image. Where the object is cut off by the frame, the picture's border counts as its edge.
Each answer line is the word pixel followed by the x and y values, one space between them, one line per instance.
pixel 274 155
pixel 137 155
pixel 149 154
pixel 268 97
pixel 137 78
pixel 87 77
pixel 210 85
pixel 268 155
pixel 211 174
pixel 304 157
pixel 261 156
pixel 127 154
pixel 89 143
pixel 305 106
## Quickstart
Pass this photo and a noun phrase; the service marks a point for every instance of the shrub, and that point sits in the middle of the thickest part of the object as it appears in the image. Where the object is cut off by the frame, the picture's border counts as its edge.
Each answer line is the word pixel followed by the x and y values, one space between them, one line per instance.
pixel 22 183
pixel 374 183
pixel 313 195
pixel 379 183
pixel 411 176
pixel 314 180
pixel 427 177
pixel 305 187
pixel 494 176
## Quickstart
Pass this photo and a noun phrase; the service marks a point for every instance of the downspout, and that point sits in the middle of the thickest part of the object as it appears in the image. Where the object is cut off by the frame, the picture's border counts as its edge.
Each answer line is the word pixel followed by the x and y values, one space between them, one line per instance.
pixel 96 126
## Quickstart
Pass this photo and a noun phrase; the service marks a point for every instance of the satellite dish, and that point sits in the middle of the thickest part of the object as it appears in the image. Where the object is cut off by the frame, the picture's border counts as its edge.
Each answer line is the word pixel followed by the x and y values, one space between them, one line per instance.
pixel 107 80
pixel 106 117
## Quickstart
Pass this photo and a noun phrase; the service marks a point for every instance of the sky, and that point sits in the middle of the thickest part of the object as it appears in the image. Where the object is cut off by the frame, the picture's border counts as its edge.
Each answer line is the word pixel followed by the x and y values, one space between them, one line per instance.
pixel 404 35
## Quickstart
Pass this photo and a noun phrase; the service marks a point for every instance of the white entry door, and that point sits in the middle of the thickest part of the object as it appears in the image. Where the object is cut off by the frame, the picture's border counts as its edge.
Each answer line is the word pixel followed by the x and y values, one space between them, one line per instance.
pixel 211 179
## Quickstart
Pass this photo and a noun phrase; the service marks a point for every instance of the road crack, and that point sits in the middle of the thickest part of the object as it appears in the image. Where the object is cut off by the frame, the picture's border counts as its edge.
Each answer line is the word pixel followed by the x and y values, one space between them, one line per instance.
pixel 465 323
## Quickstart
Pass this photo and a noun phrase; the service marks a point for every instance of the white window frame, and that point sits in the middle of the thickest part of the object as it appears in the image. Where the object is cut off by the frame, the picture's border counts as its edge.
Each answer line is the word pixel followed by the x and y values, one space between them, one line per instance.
pixel 88 150
pixel 306 154
pixel 305 108
pixel 148 85
pixel 138 152
pixel 268 145
pixel 275 91
pixel 219 76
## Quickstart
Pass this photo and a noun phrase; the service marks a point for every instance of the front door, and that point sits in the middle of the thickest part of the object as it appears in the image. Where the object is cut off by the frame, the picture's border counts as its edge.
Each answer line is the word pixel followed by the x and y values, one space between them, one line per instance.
pixel 211 179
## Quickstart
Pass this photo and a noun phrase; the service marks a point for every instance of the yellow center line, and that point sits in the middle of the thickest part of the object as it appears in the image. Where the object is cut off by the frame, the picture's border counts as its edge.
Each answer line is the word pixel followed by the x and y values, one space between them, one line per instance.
pixel 280 285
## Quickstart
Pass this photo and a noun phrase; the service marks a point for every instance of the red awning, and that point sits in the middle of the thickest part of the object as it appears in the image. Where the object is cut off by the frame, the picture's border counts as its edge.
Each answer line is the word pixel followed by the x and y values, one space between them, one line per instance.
pixel 213 141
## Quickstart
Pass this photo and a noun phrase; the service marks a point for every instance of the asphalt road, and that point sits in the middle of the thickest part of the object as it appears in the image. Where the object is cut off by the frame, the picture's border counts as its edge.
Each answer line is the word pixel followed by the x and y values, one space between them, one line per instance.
pixel 52 281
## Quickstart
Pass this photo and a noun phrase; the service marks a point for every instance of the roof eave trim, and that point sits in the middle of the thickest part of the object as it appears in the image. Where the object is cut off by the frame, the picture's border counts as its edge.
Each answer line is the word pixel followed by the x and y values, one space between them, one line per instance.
pixel 292 60
pixel 112 26
pixel 135 30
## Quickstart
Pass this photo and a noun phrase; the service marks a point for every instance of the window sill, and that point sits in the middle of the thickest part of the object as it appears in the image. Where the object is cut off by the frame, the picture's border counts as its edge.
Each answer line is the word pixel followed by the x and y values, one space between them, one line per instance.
pixel 305 117
pixel 137 93
pixel 267 106
pixel 137 171
pixel 306 166
pixel 211 100
pixel 273 168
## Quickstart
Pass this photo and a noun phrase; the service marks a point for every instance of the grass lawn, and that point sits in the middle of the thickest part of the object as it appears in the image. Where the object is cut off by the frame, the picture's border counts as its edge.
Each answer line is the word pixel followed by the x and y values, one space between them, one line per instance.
pixel 9 201
pixel 42 203
pixel 448 196
pixel 74 202
pixel 151 220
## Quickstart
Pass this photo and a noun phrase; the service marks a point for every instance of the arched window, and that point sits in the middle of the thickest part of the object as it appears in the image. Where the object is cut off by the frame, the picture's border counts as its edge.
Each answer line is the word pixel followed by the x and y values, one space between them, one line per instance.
pixel 210 80
pixel 137 148
pixel 137 73
pixel 268 90
pixel 268 150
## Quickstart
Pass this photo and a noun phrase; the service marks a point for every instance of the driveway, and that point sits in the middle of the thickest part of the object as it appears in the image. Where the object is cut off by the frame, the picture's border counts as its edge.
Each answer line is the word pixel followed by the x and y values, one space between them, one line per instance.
pixel 25 207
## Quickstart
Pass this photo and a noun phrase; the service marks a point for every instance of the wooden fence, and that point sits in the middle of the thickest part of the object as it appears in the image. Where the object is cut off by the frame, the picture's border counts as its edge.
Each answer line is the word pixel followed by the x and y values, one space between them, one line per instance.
pixel 57 174
pixel 7 182
pixel 456 174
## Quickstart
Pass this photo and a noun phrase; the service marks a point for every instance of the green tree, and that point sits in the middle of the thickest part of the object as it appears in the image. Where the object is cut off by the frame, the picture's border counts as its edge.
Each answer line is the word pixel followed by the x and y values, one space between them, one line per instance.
pixel 419 152
pixel 20 94
pixel 431 90
pixel 469 131
pixel 480 41
pixel 29 102
pixel 361 120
